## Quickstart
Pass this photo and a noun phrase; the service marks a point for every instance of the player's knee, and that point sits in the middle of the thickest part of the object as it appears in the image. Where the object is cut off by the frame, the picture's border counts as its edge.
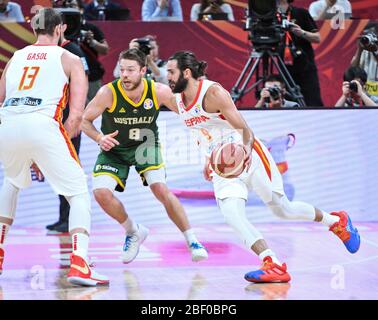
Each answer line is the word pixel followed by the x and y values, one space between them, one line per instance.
pixel 228 208
pixel 161 192
pixel 103 196
pixel 280 206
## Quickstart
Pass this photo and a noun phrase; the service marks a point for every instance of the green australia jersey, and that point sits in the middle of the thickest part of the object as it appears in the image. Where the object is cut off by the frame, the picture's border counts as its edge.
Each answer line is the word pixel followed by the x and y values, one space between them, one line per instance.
pixel 135 122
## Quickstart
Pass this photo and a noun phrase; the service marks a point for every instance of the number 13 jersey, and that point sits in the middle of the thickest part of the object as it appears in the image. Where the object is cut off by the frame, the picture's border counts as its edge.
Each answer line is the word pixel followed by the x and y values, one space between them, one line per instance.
pixel 36 82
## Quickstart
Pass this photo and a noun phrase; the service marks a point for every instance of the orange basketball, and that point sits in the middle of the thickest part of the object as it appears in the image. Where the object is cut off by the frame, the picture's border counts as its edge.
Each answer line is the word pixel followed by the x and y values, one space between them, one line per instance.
pixel 227 160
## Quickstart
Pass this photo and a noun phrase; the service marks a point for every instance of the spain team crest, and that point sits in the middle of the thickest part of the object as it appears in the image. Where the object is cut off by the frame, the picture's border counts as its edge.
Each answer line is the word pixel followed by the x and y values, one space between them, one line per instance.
pixel 148 104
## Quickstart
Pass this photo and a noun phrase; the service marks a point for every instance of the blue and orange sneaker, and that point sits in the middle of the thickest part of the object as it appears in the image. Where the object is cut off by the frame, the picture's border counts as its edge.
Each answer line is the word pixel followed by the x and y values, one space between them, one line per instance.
pixel 345 230
pixel 269 272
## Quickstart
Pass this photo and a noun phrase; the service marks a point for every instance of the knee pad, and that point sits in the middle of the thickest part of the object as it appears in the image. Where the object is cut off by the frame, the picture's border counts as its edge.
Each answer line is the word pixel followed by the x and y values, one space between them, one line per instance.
pixel 8 199
pixel 80 212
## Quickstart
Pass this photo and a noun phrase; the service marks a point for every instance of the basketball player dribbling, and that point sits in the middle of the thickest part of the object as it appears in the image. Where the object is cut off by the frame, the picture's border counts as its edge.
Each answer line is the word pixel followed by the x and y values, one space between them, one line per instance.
pixel 207 108
pixel 33 92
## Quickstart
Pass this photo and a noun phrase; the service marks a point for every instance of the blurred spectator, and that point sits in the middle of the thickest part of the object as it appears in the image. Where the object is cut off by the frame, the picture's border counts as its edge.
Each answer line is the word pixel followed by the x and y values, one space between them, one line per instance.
pixel 326 9
pixel 156 67
pixel 354 94
pixel 366 57
pixel 298 54
pixel 273 94
pixel 10 12
pixel 103 10
pixel 209 7
pixel 160 10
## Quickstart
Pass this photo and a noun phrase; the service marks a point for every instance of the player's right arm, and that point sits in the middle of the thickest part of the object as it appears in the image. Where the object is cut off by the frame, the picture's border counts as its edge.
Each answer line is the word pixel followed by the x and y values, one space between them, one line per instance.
pixel 102 101
pixel 2 84
pixel 78 88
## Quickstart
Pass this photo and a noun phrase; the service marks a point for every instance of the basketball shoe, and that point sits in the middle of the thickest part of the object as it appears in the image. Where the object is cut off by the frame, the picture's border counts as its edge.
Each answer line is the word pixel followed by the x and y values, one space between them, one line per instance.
pixel 345 230
pixel 1 260
pixel 198 251
pixel 83 274
pixel 269 272
pixel 133 242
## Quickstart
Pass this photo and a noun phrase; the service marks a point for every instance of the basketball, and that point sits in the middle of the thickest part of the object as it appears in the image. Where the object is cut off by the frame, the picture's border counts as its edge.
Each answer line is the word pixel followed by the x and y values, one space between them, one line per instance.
pixel 227 160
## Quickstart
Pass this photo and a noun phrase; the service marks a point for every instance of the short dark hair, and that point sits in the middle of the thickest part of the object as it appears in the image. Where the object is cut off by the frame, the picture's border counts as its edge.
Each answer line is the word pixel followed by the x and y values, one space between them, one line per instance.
pixel 45 21
pixel 275 77
pixel 354 73
pixel 188 60
pixel 134 54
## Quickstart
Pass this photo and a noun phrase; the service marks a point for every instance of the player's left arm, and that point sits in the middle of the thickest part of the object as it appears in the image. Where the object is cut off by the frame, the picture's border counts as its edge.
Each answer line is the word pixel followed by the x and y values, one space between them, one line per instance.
pixel 165 96
pixel 2 84
pixel 217 99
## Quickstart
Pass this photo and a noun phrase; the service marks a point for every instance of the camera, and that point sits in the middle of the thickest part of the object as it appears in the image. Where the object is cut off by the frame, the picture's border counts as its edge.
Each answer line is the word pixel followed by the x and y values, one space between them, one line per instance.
pixel 353 87
pixel 369 41
pixel 275 94
pixel 144 45
pixel 266 24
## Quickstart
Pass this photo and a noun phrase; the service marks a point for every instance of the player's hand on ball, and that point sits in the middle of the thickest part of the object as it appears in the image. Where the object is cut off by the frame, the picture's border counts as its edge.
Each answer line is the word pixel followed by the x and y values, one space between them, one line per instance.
pixel 108 142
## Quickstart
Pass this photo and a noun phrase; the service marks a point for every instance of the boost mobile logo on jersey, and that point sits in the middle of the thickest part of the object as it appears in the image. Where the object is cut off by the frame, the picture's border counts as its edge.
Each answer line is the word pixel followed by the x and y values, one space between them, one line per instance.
pixel 148 104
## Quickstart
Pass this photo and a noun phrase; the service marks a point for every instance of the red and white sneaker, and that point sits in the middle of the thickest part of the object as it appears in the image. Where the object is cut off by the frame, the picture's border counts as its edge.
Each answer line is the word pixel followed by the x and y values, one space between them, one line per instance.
pixel 83 274
pixel 1 260
pixel 269 272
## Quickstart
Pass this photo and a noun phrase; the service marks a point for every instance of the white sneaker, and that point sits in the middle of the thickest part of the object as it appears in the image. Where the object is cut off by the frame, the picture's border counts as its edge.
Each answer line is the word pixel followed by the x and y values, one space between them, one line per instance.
pixel 83 274
pixel 133 242
pixel 198 251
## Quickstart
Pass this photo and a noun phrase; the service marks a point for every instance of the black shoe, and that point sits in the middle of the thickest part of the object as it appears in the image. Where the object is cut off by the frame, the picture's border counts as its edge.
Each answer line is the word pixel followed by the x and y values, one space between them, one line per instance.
pixel 52 226
pixel 62 227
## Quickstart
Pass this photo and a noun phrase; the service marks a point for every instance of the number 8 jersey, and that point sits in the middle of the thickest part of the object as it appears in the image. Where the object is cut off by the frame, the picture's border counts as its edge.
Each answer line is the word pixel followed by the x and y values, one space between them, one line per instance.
pixel 34 83
pixel 135 122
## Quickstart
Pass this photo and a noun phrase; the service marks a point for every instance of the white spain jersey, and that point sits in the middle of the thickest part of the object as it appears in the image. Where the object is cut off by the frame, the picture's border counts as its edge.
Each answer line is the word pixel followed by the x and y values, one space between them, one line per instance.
pixel 36 82
pixel 212 128
pixel 263 176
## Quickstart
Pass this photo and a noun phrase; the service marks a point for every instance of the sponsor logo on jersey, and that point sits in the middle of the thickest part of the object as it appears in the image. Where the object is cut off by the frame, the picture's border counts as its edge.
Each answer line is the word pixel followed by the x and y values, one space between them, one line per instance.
pixel 25 101
pixel 197 109
pixel 196 120
pixel 148 104
pixel 122 110
pixel 106 167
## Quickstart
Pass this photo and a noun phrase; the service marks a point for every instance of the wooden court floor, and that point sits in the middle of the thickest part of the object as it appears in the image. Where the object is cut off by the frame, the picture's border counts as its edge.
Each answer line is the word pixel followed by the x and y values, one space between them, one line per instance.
pixel 321 268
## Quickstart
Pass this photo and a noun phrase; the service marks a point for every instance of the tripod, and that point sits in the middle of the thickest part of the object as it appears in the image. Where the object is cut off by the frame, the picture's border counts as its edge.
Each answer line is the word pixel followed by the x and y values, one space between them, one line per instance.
pixel 269 59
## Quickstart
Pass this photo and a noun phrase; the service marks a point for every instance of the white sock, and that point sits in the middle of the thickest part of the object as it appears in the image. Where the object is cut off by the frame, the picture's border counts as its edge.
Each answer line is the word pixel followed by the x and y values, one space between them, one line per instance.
pixel 269 253
pixel 80 244
pixel 328 219
pixel 129 226
pixel 190 236
pixel 4 228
